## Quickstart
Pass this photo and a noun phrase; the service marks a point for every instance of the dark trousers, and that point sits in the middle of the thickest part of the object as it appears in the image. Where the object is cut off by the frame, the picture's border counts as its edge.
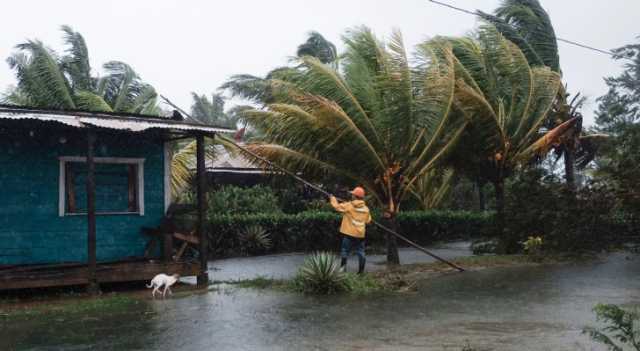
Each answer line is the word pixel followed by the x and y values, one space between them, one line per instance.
pixel 349 242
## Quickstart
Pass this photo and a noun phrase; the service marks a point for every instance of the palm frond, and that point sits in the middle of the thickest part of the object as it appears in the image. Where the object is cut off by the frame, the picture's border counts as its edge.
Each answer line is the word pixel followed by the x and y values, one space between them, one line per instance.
pixel 432 188
pixel 76 62
pixel 183 164
pixel 542 146
pixel 527 24
pixel 40 76
pixel 86 100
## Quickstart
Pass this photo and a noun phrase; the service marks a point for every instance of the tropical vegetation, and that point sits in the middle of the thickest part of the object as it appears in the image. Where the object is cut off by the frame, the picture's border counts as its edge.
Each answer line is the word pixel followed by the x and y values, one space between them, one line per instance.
pixel 49 80
pixel 376 116
pixel 621 329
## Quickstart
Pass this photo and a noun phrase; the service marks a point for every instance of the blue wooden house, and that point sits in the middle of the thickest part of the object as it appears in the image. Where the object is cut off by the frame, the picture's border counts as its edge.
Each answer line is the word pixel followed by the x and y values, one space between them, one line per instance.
pixel 76 188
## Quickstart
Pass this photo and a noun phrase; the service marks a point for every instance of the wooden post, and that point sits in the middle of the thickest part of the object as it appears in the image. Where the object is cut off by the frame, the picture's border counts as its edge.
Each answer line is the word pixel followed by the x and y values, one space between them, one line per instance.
pixel 167 246
pixel 91 213
pixel 203 278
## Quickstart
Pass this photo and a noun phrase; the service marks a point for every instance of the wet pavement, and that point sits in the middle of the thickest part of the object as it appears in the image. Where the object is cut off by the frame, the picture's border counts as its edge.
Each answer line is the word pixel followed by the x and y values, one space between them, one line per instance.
pixel 285 266
pixel 516 308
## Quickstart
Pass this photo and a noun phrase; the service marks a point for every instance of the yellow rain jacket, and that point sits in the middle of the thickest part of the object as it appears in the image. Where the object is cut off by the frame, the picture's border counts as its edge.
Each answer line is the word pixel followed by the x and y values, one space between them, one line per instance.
pixel 355 217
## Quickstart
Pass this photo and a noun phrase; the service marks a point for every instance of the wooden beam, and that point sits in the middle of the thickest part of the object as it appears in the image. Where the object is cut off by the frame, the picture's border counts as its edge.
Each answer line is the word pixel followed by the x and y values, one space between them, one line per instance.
pixel 192 239
pixel 91 213
pixel 22 277
pixel 203 278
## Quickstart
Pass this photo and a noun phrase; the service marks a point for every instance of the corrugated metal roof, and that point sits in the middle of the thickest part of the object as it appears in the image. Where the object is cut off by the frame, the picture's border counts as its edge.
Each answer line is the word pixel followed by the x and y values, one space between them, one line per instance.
pixel 112 121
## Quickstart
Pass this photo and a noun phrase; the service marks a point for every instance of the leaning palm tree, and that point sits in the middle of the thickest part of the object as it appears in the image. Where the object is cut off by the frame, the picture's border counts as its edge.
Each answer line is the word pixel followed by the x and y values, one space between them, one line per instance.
pixel 378 121
pixel 507 101
pixel 528 25
pixel 48 80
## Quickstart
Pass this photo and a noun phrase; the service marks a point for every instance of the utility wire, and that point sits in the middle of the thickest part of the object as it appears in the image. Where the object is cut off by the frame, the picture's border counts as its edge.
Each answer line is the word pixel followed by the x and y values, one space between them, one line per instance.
pixel 477 14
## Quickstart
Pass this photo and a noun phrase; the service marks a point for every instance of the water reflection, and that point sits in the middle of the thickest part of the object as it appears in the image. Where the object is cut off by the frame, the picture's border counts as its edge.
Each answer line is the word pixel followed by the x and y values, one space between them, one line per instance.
pixel 522 308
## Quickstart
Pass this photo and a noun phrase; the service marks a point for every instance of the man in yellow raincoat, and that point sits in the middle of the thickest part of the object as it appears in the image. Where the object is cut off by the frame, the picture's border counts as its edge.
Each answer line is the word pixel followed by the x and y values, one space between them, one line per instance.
pixel 355 217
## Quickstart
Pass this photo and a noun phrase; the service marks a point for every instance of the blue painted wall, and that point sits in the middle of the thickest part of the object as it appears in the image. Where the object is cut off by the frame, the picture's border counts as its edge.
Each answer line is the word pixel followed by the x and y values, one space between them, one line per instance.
pixel 31 231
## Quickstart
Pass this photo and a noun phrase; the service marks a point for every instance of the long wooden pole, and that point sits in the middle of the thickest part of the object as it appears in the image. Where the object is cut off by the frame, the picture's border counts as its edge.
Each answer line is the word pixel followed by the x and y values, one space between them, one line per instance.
pixel 91 212
pixel 203 278
pixel 319 189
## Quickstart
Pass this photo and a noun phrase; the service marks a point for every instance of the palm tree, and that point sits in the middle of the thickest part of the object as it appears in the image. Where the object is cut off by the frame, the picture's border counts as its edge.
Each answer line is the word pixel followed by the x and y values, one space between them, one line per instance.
pixel 48 80
pixel 377 121
pixel 507 101
pixel 258 89
pixel 212 111
pixel 319 47
pixel 527 24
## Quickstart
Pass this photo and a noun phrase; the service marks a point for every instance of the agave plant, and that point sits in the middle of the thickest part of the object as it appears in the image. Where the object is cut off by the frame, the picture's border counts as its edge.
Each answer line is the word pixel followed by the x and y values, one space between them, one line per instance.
pixel 255 239
pixel 320 274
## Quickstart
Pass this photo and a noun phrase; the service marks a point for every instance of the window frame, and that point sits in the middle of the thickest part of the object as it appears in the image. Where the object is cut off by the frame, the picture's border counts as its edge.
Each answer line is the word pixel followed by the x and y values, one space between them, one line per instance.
pixel 62 191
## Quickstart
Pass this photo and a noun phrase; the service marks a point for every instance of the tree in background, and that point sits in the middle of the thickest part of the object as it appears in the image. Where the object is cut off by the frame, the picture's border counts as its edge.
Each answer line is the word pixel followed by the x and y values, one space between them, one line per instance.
pixel 618 115
pixel 619 108
pixel 48 80
pixel 506 100
pixel 319 47
pixel 212 111
pixel 259 90
pixel 527 24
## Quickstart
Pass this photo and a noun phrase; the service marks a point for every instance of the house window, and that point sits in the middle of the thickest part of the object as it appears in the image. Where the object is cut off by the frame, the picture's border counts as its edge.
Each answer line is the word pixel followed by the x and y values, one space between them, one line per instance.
pixel 119 186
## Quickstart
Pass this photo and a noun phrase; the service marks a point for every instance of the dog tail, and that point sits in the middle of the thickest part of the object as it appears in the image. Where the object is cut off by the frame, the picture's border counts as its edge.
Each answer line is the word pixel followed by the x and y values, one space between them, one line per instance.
pixel 149 286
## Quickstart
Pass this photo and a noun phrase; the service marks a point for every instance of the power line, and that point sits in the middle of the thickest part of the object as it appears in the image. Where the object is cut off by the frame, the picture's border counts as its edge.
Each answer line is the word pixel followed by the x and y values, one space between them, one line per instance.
pixel 571 42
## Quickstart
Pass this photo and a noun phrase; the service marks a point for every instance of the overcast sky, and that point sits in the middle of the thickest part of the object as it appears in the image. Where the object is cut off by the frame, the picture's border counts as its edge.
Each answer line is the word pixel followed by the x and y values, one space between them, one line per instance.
pixel 188 45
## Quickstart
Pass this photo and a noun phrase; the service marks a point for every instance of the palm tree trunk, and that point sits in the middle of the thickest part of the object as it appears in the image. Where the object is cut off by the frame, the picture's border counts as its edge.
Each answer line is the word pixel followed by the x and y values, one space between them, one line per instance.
pixel 392 244
pixel 569 169
pixel 500 223
pixel 482 201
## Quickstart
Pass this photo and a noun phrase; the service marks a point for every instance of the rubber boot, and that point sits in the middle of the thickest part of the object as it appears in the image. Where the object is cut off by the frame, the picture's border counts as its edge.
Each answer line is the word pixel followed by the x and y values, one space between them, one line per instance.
pixel 361 263
pixel 343 265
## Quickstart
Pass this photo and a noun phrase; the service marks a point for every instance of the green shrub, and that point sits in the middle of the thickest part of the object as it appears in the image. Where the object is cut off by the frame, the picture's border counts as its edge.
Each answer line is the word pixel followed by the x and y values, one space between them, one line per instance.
pixel 566 221
pixel 318 230
pixel 237 200
pixel 320 274
pixel 622 330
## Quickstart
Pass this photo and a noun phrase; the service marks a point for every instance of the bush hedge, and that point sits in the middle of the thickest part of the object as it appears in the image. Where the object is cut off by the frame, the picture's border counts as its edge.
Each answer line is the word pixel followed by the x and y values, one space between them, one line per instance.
pixel 317 230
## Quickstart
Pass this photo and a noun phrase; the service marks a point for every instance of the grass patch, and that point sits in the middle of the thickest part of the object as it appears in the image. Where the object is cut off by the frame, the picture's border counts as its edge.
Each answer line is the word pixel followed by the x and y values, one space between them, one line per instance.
pixel 403 278
pixel 355 284
pixel 259 283
pixel 106 304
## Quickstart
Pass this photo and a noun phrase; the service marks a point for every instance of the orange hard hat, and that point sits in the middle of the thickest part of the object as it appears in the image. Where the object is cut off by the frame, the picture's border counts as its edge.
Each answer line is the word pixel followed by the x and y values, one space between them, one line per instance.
pixel 358 192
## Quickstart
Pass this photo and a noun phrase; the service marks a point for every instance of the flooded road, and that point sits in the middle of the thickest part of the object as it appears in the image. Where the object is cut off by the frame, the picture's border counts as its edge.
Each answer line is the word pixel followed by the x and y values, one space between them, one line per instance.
pixel 517 308
pixel 285 266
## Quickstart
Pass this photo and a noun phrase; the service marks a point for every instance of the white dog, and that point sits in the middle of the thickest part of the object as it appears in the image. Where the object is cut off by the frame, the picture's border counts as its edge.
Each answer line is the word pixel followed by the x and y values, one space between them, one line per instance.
pixel 163 280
